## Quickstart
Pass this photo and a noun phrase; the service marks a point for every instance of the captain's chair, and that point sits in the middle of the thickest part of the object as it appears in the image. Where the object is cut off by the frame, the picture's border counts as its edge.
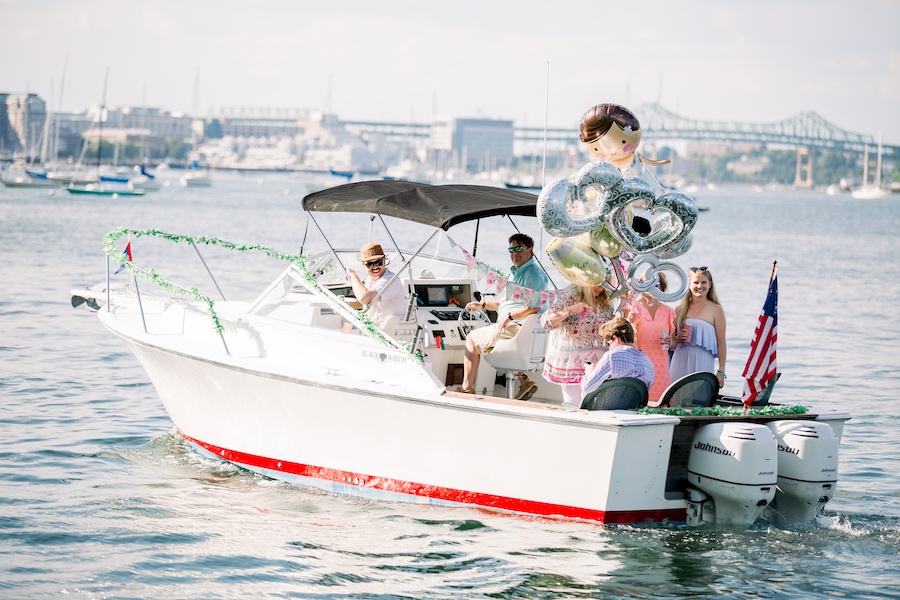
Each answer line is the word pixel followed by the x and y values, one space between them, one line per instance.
pixel 621 393
pixel 523 352
pixel 695 389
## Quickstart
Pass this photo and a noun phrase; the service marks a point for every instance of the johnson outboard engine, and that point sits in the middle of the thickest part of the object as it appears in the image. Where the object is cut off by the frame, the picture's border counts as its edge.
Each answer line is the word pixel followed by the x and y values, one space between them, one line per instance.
pixel 807 470
pixel 731 473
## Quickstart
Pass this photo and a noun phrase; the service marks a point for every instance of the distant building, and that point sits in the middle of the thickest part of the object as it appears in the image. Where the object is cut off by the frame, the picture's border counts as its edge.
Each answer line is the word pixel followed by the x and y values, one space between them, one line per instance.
pixel 259 122
pixel 474 144
pixel 22 120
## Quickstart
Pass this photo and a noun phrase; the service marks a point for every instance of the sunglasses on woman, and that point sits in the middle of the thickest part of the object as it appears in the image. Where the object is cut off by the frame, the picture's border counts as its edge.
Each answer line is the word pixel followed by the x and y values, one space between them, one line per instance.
pixel 515 249
pixel 375 263
pixel 694 269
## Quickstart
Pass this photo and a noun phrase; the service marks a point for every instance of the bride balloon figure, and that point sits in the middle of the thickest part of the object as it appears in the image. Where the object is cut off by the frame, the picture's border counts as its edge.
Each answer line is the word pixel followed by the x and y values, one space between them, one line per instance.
pixel 609 213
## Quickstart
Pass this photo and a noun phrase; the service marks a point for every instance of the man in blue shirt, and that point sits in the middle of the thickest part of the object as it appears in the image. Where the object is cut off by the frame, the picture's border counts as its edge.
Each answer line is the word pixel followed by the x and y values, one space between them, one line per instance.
pixel 510 313
pixel 621 360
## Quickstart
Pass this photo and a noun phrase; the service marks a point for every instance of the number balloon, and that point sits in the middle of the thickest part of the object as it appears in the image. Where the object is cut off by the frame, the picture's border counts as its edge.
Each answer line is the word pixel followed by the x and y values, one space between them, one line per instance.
pixel 643 276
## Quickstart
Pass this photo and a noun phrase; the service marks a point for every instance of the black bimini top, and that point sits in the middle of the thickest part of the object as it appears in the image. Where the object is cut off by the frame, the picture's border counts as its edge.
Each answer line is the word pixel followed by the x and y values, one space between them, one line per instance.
pixel 437 205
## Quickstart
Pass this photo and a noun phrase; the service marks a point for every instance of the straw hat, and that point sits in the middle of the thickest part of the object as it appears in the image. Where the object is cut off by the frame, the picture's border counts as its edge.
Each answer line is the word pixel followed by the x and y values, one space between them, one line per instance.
pixel 371 252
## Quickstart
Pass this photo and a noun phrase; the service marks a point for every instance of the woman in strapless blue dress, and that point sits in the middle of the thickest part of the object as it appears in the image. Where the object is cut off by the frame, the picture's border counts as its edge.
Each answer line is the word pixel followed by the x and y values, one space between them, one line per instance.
pixel 703 342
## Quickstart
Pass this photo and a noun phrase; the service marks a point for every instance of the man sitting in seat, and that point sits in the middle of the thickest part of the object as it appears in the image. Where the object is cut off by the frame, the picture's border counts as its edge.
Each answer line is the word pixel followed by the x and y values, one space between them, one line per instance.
pixel 511 312
pixel 392 301
pixel 621 360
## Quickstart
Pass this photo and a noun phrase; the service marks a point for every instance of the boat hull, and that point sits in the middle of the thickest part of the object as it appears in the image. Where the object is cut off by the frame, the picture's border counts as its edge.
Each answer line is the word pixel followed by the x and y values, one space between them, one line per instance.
pixel 414 444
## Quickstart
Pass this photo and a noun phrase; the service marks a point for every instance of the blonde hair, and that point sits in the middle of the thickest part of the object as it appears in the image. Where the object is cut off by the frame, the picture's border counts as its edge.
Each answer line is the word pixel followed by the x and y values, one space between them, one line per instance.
pixel 585 294
pixel 681 313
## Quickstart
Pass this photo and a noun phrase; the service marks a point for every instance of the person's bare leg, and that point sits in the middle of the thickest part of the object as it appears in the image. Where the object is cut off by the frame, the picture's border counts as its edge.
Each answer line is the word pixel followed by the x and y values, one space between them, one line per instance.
pixel 471 360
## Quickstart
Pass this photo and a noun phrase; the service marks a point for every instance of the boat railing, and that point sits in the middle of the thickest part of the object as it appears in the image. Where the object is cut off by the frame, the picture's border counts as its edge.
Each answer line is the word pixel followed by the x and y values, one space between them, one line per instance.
pixel 303 276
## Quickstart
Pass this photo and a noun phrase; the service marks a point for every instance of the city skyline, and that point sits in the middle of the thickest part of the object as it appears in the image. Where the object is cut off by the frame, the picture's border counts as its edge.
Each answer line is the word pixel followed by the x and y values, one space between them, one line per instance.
pixel 406 61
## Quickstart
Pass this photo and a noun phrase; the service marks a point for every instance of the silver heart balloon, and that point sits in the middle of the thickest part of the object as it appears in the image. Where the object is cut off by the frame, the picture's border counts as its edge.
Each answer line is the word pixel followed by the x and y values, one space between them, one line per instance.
pixel 676 248
pixel 682 212
pixel 567 207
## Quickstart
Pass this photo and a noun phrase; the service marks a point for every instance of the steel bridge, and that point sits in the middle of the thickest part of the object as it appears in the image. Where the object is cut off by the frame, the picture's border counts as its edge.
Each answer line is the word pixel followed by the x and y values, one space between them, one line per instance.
pixel 805 130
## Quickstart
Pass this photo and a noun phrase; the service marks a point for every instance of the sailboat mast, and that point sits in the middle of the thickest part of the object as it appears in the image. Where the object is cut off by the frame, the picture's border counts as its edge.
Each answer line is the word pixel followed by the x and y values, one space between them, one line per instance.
pixel 62 85
pixel 102 111
pixel 878 164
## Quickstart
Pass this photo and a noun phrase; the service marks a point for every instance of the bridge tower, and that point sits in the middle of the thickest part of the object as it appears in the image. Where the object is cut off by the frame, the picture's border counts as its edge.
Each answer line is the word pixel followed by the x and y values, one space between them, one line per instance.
pixel 804 177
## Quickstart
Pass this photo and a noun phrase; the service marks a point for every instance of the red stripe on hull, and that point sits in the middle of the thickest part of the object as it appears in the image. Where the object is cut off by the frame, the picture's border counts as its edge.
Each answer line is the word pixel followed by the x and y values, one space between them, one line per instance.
pixel 442 493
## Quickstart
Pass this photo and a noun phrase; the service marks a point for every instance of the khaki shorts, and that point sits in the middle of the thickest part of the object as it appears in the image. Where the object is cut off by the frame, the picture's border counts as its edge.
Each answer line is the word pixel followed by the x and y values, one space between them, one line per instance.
pixel 484 338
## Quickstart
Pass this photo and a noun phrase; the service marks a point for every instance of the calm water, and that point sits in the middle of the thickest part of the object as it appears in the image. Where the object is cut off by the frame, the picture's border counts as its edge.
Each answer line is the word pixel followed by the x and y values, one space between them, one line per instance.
pixel 99 498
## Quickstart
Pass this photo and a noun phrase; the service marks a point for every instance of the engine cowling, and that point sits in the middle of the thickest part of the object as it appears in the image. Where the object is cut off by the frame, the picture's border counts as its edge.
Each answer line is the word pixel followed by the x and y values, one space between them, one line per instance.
pixel 736 465
pixel 807 470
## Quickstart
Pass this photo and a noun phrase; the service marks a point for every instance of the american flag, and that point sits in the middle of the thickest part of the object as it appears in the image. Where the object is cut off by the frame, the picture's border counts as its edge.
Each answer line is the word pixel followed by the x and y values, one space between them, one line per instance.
pixel 126 253
pixel 761 363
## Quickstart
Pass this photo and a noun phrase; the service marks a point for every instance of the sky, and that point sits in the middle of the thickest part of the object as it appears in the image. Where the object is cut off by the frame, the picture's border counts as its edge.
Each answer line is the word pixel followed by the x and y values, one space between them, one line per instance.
pixel 533 62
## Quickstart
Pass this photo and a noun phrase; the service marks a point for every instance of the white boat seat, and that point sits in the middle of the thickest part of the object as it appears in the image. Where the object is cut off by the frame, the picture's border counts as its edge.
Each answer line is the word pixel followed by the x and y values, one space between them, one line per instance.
pixel 524 351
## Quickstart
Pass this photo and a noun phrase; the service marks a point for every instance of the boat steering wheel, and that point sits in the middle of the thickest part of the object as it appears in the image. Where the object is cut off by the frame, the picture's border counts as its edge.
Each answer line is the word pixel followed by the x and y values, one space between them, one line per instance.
pixel 469 320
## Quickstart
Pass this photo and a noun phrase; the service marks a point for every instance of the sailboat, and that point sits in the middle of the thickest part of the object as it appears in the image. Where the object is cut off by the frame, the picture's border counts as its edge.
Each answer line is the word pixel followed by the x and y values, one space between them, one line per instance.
pixel 872 191
pixel 104 185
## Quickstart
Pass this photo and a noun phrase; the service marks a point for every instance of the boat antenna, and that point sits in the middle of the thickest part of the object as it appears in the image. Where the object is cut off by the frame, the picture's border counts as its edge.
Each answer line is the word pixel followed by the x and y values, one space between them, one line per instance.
pixel 475 245
pixel 544 157
pixel 546 117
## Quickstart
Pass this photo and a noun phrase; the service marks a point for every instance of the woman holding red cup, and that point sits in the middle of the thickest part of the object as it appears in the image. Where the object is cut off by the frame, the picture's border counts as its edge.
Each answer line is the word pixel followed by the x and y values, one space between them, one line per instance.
pixel 700 333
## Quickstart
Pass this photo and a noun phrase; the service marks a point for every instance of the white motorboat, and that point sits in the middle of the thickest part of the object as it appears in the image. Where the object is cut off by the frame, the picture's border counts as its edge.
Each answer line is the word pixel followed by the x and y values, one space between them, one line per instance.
pixel 298 385
pixel 196 178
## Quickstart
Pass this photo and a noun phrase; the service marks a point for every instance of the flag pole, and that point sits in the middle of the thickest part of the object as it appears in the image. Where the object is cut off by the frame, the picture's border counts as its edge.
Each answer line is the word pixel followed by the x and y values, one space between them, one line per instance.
pixel 772 275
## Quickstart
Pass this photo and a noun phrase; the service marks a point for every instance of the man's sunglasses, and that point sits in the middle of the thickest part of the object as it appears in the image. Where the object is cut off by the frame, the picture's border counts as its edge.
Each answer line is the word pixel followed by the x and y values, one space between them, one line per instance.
pixel 694 269
pixel 515 249
pixel 375 263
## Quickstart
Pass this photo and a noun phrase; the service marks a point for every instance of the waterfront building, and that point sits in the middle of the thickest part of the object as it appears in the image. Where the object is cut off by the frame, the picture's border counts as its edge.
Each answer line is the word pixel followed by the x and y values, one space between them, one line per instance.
pixel 475 145
pixel 22 121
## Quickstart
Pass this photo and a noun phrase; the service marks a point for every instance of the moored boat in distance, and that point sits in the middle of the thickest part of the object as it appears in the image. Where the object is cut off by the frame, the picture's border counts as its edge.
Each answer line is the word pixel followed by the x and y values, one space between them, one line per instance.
pixel 27 178
pixel 102 189
pixel 298 385
pixel 196 178
pixel 73 177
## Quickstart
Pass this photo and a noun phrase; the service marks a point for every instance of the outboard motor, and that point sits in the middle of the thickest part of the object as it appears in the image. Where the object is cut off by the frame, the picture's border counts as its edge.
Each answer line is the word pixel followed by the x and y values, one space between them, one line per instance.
pixel 807 470
pixel 734 465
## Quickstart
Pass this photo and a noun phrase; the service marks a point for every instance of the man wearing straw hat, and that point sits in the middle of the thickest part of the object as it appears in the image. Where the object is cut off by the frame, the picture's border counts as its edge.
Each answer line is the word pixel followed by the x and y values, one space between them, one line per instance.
pixel 392 301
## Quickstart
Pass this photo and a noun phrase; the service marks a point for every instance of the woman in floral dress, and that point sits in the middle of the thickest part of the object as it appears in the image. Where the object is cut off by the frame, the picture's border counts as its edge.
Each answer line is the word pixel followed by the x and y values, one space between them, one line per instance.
pixel 574 321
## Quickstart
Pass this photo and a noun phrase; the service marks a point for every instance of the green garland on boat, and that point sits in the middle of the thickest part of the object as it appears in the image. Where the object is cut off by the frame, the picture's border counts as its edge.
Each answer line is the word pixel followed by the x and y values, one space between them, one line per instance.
pixel 112 250
pixel 725 411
